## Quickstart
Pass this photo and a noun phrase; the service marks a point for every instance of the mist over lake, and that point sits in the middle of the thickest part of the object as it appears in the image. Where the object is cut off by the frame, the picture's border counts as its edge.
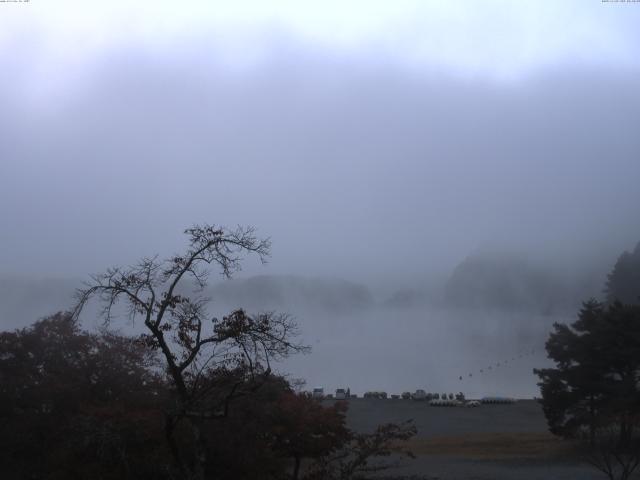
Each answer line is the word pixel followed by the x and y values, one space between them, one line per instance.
pixel 284 240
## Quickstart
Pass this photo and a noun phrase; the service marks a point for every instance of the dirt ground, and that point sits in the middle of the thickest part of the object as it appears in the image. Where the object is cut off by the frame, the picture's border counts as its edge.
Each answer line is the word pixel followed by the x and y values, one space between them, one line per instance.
pixel 491 442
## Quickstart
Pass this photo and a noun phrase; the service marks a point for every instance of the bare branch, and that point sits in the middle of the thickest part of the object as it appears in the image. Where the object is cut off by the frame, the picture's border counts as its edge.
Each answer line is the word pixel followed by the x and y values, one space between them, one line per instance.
pixel 209 362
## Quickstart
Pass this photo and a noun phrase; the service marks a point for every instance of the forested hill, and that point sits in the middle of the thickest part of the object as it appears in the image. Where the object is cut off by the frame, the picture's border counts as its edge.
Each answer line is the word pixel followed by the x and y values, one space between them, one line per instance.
pixel 511 282
pixel 24 300
pixel 623 283
pixel 287 291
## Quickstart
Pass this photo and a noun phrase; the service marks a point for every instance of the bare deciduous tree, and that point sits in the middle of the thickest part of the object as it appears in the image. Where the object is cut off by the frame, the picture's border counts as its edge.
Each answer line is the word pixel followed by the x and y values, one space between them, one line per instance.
pixel 208 361
pixel 615 457
pixel 361 456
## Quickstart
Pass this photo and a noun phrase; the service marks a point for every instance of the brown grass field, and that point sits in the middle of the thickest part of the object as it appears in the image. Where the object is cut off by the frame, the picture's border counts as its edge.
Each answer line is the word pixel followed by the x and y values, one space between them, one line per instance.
pixel 495 446
pixel 491 442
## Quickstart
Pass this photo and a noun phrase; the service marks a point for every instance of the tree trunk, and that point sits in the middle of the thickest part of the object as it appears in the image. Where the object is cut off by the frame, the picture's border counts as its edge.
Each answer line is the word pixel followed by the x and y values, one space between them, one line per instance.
pixel 200 451
pixel 625 432
pixel 169 426
pixel 296 467
pixel 592 422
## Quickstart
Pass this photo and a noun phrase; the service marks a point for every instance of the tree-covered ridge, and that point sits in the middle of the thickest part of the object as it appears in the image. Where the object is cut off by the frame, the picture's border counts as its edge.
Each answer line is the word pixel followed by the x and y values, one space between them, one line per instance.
pixel 623 283
pixel 331 295
pixel 511 282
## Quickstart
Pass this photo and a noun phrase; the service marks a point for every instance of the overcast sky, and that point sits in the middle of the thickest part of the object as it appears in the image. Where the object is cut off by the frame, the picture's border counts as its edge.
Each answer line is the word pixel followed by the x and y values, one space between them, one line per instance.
pixel 367 138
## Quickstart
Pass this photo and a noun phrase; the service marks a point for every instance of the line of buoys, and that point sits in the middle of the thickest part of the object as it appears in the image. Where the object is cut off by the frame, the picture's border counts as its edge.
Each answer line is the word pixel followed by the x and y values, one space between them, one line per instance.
pixel 526 353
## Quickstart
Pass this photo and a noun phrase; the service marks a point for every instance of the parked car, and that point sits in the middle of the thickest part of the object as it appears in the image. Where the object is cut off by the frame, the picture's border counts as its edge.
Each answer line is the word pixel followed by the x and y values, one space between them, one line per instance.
pixel 472 403
pixel 419 395
pixel 318 393
pixel 341 394
pixel 497 400
pixel 395 397
pixel 406 395
pixel 378 395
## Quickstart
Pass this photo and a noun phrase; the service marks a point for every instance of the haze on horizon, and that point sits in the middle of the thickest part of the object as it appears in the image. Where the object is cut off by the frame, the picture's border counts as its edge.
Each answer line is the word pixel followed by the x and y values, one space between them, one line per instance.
pixel 373 142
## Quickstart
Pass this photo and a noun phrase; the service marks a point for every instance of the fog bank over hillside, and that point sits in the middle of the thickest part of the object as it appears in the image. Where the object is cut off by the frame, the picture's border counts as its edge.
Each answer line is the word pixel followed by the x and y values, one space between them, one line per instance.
pixel 485 280
pixel 268 292
pixel 514 282
pixel 354 166
pixel 492 308
pixel 23 300
pixel 356 341
pixel 480 328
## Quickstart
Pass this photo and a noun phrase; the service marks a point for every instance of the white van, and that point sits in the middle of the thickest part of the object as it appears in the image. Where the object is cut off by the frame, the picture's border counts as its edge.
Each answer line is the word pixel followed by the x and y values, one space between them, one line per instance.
pixel 318 393
pixel 341 394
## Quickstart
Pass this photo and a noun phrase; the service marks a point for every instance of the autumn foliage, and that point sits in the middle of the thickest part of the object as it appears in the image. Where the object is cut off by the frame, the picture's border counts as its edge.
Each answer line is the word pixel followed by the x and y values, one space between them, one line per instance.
pixel 80 405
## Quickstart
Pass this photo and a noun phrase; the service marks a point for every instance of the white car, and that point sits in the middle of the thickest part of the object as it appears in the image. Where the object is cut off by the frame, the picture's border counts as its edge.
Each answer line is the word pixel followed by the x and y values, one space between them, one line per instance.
pixel 318 393
pixel 341 394
pixel 472 403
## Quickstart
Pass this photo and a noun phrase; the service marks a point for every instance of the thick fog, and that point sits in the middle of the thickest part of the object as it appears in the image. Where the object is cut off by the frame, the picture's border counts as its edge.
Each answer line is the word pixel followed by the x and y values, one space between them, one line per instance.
pixel 376 180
